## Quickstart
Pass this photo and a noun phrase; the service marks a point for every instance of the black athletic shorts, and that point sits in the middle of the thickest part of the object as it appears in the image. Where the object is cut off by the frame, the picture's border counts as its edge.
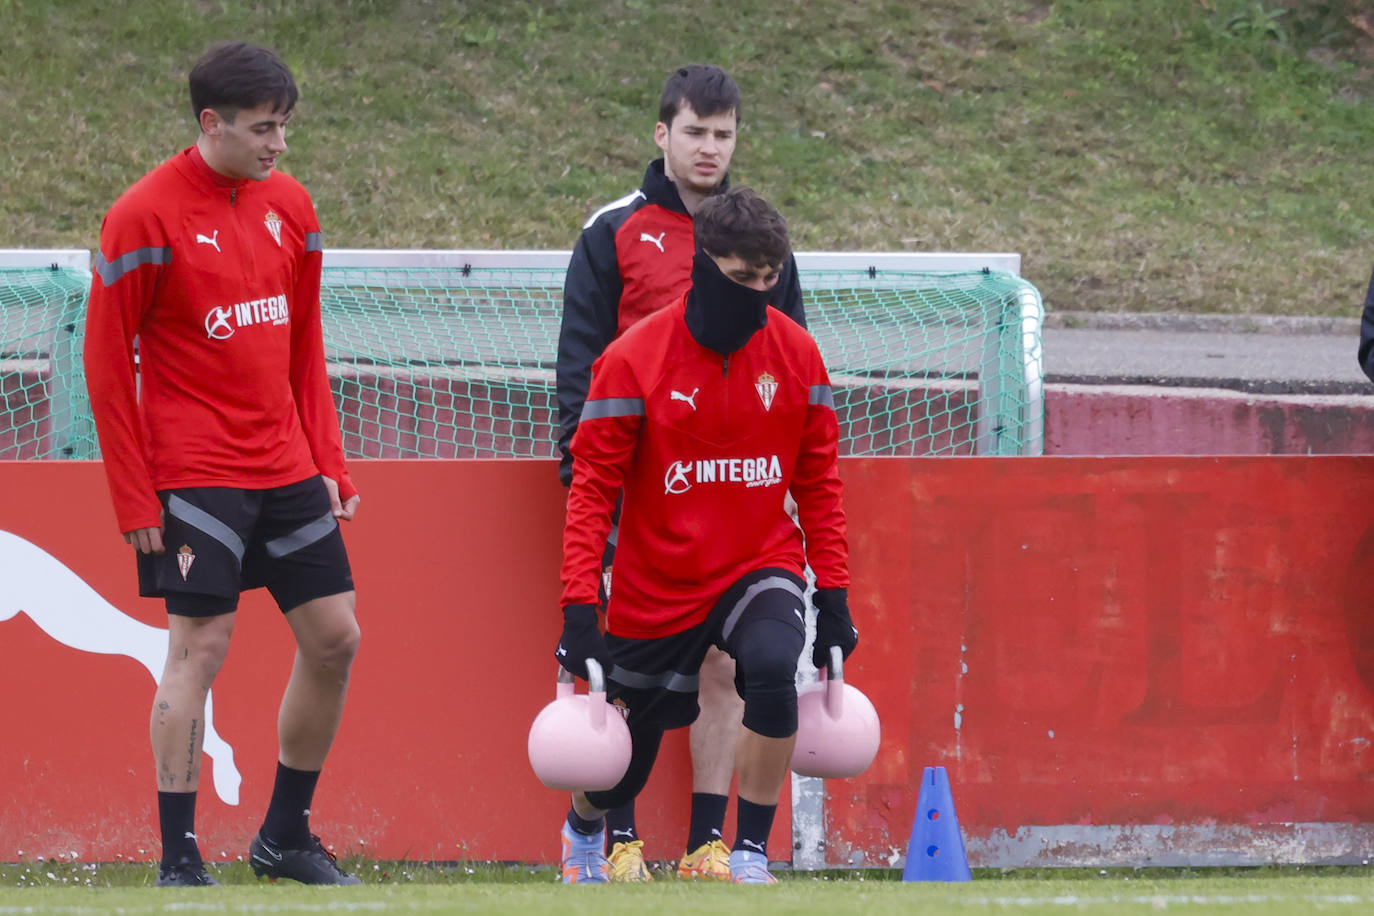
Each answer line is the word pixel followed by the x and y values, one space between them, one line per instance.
pixel 221 540
pixel 656 679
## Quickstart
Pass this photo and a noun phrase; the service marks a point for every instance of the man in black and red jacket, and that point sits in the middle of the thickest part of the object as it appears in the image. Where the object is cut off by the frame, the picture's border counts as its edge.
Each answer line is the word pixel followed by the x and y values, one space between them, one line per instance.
pixel 634 257
pixel 703 415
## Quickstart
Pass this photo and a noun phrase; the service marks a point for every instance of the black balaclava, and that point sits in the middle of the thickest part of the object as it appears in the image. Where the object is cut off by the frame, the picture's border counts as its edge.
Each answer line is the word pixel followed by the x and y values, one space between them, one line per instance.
pixel 721 314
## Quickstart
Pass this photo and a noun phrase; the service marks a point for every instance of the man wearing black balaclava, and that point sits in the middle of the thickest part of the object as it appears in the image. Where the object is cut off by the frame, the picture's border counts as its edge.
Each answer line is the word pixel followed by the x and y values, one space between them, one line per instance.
pixel 706 413
pixel 632 258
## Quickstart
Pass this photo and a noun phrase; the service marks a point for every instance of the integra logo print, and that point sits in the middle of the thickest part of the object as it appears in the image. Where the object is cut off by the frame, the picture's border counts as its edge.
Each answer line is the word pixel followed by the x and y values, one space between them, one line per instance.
pixel 273 309
pixel 217 326
pixel 681 476
pixel 675 481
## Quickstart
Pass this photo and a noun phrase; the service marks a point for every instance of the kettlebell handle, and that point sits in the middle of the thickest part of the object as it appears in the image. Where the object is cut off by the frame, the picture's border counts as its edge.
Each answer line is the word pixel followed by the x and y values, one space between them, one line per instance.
pixel 596 695
pixel 834 688
pixel 596 679
pixel 596 688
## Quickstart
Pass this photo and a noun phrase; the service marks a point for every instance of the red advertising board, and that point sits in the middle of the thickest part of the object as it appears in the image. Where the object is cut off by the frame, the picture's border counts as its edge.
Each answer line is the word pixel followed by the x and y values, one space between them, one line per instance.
pixel 1124 660
pixel 456 565
pixel 1121 659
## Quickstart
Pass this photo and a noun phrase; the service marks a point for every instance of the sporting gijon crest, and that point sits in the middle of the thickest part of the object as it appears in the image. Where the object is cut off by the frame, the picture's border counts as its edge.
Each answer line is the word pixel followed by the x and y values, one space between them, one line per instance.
pixel 767 387
pixel 273 223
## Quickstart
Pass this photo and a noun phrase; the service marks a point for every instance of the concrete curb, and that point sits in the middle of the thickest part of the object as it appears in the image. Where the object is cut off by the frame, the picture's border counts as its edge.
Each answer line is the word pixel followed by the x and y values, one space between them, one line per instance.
pixel 1212 324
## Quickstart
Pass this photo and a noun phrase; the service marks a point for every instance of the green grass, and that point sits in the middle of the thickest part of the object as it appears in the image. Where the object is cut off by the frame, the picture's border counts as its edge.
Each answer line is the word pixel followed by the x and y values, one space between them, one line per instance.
pixel 1170 155
pixel 76 888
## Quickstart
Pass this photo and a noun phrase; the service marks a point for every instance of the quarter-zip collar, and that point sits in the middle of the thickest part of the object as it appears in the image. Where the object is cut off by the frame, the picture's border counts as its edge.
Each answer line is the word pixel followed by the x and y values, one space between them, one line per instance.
pixel 191 164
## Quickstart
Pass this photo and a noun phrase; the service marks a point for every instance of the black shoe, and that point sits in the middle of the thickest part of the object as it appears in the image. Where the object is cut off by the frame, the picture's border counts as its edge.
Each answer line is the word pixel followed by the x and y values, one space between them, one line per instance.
pixel 185 874
pixel 312 865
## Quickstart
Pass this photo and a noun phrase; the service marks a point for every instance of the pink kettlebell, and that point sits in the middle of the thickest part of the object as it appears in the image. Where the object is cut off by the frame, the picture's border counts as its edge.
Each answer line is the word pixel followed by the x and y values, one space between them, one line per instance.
pixel 579 742
pixel 837 727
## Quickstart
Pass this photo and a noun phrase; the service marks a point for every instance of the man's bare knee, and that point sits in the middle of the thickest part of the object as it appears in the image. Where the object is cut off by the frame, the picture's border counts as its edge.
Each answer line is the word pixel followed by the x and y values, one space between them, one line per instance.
pixel 197 648
pixel 333 650
pixel 327 633
pixel 337 652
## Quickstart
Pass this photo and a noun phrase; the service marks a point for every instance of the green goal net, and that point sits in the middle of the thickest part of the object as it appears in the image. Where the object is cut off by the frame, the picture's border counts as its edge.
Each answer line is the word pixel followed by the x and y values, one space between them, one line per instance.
pixel 44 412
pixel 450 354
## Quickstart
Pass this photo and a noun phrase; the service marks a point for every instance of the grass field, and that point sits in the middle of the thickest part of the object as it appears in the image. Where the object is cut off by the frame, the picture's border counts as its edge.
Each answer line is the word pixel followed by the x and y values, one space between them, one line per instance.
pixel 491 889
pixel 1171 155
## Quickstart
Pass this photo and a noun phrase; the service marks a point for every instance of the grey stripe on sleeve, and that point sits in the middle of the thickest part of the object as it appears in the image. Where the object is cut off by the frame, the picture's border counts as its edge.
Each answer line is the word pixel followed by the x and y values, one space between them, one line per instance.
pixel 303 536
pixel 201 520
pixel 111 271
pixel 753 591
pixel 314 241
pixel 823 395
pixel 601 408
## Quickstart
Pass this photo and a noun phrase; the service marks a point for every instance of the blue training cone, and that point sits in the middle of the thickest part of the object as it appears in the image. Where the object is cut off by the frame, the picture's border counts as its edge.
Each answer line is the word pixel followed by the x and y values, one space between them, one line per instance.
pixel 936 851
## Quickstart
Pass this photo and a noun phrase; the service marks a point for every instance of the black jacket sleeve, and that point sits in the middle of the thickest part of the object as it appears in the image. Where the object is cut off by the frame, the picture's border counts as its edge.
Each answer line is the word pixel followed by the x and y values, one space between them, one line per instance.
pixel 591 300
pixel 1367 332
pixel 789 297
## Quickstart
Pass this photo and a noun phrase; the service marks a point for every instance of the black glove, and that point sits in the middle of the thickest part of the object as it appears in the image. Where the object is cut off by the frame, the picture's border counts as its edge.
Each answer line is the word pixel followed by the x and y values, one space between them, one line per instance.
pixel 581 640
pixel 833 626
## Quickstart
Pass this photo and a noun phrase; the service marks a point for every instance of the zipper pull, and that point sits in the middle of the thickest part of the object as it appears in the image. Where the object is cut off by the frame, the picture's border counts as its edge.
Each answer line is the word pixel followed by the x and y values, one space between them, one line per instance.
pixel 725 367
pixel 233 195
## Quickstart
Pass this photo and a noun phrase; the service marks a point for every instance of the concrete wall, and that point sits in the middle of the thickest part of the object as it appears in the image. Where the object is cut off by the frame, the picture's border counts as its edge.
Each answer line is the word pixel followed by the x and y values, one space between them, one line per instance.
pixel 1155 420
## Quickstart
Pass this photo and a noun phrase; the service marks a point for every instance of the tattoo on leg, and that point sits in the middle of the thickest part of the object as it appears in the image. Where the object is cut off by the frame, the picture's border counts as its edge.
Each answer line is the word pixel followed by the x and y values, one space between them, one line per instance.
pixel 191 753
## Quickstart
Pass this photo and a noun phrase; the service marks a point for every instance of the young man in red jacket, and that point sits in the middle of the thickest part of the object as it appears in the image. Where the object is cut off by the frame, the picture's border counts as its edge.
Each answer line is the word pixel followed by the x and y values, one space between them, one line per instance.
pixel 705 414
pixel 221 442
pixel 634 256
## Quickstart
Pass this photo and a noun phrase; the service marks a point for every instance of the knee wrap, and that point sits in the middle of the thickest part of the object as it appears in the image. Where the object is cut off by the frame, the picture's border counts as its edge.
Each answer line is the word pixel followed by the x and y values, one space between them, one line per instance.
pixel 644 742
pixel 765 675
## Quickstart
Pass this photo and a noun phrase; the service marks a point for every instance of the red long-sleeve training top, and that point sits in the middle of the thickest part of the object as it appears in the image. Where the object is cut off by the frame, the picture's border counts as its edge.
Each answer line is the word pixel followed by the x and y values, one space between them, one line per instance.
pixel 705 447
pixel 219 281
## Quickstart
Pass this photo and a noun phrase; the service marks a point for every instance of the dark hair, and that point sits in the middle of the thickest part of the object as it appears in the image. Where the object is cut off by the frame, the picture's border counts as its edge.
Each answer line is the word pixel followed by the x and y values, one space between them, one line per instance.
pixel 740 223
pixel 234 75
pixel 708 89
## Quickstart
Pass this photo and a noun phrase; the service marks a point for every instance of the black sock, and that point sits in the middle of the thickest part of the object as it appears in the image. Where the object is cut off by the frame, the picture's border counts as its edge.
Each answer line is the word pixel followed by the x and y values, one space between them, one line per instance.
pixel 288 813
pixel 584 826
pixel 754 824
pixel 708 817
pixel 620 823
pixel 176 814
